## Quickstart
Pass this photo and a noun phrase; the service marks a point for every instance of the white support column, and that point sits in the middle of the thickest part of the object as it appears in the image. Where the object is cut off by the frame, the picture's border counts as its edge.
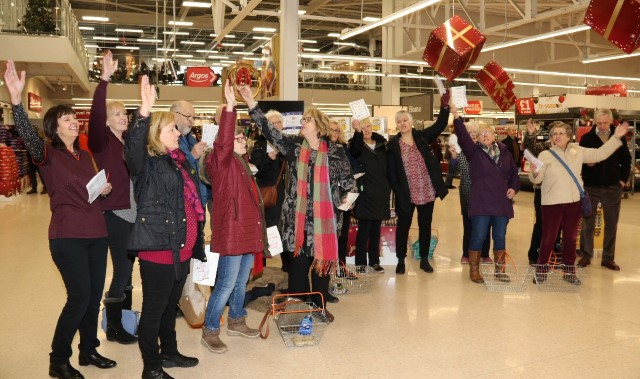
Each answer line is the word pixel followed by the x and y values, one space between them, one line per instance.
pixel 371 80
pixel 390 86
pixel 288 63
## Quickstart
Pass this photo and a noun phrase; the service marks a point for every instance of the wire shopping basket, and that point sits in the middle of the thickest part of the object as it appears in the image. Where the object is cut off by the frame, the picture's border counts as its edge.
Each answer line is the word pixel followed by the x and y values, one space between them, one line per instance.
pixel 506 277
pixel 352 279
pixel 559 277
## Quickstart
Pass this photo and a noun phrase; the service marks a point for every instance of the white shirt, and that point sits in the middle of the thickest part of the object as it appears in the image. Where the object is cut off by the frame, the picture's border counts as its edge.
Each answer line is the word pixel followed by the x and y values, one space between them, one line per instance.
pixel 453 141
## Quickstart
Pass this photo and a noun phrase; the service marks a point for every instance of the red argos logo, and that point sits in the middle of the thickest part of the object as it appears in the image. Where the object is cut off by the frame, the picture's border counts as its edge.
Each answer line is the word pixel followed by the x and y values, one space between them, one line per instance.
pixel 201 77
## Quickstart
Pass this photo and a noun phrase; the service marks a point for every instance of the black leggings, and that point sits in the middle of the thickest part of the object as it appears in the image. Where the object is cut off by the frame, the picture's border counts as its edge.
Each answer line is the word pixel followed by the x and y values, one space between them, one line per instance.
pixel 119 231
pixel 425 213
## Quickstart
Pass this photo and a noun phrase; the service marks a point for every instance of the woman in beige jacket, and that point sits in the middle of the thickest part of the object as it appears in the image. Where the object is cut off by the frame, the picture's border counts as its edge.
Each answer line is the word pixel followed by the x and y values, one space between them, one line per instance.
pixel 560 196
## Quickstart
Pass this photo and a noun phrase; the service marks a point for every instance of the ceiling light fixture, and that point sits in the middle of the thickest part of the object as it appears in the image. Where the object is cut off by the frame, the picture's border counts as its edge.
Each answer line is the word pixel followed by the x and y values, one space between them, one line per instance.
pixel 311 49
pixel 227 36
pixel 262 38
pixel 95 18
pixel 371 19
pixel 176 33
pixel 555 33
pixel 228 44
pixel 241 53
pixel 336 35
pixel 166 49
pixel 120 47
pixel 98 38
pixel 183 55
pixel 217 57
pixel 387 19
pixel 129 30
pixel 93 46
pixel 610 58
pixel 149 40
pixel 307 41
pixel 86 28
pixel 344 44
pixel 301 12
pixel 181 23
pixel 200 43
pixel 265 30
pixel 196 60
pixel 196 4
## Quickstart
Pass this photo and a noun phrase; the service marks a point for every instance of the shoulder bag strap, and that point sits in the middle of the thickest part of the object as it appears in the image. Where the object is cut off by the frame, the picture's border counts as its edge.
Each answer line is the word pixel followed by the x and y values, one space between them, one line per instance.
pixel 575 180
pixel 284 162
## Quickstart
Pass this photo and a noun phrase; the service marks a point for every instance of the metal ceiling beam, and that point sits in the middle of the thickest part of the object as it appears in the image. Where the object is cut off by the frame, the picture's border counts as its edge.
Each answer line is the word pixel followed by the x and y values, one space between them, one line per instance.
pixel 237 20
pixel 540 17
pixel 314 5
pixel 517 8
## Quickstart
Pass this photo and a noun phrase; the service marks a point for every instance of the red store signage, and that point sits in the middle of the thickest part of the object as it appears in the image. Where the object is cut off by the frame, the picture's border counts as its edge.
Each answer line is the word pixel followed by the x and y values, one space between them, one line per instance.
pixel 83 119
pixel 200 77
pixel 35 102
pixel 619 90
pixel 474 107
pixel 525 106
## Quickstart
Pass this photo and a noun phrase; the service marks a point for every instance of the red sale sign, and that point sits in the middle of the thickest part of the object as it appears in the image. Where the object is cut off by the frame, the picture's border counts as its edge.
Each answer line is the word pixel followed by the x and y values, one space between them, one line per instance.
pixel 474 107
pixel 619 90
pixel 200 77
pixel 525 106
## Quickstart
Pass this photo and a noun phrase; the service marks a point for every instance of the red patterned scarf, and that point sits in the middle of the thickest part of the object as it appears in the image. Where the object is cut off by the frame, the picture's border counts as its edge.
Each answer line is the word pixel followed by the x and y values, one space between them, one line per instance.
pixel 190 193
pixel 324 220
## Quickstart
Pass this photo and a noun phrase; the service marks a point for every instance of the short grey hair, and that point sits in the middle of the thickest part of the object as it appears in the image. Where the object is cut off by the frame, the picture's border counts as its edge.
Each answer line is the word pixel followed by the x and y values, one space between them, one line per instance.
pixel 401 113
pixel 603 112
pixel 274 113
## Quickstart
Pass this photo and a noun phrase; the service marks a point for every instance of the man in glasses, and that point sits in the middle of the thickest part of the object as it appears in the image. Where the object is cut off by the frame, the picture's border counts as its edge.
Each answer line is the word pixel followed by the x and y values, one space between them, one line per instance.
pixel 185 115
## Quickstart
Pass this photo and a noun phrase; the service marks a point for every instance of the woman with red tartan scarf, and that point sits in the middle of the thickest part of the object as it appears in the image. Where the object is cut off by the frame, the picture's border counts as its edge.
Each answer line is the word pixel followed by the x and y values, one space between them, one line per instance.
pixel 319 179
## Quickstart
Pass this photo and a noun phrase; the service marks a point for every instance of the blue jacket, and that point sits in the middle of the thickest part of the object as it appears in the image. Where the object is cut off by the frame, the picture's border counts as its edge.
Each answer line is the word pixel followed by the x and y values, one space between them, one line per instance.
pixel 185 144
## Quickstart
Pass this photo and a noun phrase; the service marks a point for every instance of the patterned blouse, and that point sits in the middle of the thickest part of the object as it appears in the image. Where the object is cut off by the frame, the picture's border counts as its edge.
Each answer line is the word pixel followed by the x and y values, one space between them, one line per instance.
pixel 420 185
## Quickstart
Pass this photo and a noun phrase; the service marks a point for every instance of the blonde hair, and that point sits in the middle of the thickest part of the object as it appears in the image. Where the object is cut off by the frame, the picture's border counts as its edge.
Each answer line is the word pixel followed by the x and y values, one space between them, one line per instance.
pixel 486 127
pixel 158 121
pixel 113 106
pixel 341 140
pixel 472 126
pixel 321 119
pixel 404 113
pixel 559 124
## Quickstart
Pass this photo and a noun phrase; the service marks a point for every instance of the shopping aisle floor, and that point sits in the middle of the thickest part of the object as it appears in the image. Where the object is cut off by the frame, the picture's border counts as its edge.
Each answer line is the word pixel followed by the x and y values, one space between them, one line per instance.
pixel 437 325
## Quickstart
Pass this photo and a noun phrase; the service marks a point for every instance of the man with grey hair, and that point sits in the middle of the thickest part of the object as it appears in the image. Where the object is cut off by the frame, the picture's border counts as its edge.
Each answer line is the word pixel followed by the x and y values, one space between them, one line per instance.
pixel 513 144
pixel 185 114
pixel 604 182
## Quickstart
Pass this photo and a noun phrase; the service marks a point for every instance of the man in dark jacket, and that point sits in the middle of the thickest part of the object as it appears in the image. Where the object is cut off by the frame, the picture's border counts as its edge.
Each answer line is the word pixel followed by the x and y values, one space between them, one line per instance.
pixel 513 145
pixel 603 182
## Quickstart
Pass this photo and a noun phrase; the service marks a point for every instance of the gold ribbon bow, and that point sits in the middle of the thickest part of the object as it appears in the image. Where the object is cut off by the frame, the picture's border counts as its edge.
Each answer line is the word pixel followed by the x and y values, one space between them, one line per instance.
pixel 458 34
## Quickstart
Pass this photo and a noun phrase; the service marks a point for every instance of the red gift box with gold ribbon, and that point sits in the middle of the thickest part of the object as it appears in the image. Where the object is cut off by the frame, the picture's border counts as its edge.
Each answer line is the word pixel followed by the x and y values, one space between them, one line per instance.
pixel 453 47
pixel 497 84
pixel 616 20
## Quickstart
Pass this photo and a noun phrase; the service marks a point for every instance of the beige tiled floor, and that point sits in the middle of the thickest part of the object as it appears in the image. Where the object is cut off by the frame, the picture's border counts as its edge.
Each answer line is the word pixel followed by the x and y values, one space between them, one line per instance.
pixel 417 325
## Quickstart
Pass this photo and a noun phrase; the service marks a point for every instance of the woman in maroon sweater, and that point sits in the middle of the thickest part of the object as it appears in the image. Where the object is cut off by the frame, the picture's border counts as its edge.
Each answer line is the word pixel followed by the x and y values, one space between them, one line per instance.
pixel 77 231
pixel 107 124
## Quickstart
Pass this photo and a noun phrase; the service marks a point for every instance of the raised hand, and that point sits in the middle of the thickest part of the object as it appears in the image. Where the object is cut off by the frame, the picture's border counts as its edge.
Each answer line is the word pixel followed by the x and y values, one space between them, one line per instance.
pixel 444 100
pixel 109 65
pixel 14 82
pixel 531 127
pixel 356 125
pixel 229 96
pixel 147 95
pixel 247 96
pixel 621 130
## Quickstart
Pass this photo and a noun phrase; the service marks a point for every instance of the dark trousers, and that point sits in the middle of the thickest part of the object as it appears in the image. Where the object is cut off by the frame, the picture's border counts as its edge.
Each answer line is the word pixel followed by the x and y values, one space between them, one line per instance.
pixel 343 237
pixel 555 217
pixel 160 295
pixel 425 214
pixel 119 231
pixel 368 240
pixel 451 171
pixel 82 262
pixel 466 238
pixel 610 198
pixel 299 277
pixel 536 234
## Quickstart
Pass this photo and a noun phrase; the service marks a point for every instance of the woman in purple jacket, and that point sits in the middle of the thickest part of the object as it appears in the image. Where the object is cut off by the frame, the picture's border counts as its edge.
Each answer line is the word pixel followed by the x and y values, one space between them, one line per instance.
pixel 494 183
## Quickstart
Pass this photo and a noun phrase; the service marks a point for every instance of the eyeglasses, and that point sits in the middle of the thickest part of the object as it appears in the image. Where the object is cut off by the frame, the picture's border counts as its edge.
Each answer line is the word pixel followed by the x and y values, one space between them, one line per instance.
pixel 275 123
pixel 555 134
pixel 335 131
pixel 241 139
pixel 485 133
pixel 190 118
pixel 304 120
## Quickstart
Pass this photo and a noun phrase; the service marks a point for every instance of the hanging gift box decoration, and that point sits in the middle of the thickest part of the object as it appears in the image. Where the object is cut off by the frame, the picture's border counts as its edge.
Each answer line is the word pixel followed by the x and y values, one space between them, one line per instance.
pixel 497 84
pixel 453 47
pixel 616 20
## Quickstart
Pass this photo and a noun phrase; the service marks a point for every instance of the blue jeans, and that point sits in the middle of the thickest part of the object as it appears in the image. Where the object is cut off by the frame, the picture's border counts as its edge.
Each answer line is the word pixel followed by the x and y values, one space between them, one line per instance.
pixel 231 284
pixel 480 226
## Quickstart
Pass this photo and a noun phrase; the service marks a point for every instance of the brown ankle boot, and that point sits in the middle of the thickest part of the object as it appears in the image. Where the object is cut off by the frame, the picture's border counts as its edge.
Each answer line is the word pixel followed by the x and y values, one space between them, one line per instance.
pixel 474 266
pixel 238 327
pixel 211 339
pixel 500 260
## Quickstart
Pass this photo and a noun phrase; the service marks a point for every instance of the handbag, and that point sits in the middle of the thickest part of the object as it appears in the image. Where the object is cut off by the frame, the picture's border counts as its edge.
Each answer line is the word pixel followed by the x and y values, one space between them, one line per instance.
pixel 585 201
pixel 270 193
pixel 130 320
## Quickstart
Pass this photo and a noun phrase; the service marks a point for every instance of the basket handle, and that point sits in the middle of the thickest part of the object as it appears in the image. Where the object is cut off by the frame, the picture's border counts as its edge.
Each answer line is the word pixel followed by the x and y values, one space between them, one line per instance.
pixel 508 258
pixel 280 307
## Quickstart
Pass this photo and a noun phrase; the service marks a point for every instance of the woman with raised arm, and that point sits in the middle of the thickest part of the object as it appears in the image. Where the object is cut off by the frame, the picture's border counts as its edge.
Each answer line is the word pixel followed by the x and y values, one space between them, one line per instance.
pixel 107 125
pixel 77 231
pixel 168 230
pixel 319 179
pixel 416 179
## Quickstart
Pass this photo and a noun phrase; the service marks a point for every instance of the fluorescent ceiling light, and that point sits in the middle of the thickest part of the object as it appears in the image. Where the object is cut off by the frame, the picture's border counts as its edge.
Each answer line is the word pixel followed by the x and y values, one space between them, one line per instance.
pixel 129 30
pixel 567 74
pixel 166 49
pixel 393 16
pixel 227 36
pixel 200 43
pixel 196 4
pixel 344 44
pixel 307 41
pixel 610 58
pixel 266 30
pixel 176 33
pixel 217 57
pixel 555 33
pixel 323 67
pixel 228 44
pixel 370 69
pixel 95 18
pixel 86 28
pixel 127 47
pixel 336 35
pixel 93 46
pixel 206 51
pixel 548 85
pixel 196 60
pixel 371 19
pixel 262 38
pixel 181 23
pixel 242 53
pixel 301 11
pixel 310 49
pixel 230 62
pixel 183 55
pixel 149 40
pixel 98 38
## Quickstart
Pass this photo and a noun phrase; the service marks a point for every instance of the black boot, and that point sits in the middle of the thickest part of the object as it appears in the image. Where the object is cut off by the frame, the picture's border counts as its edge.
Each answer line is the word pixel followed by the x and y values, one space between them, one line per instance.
pixel 115 331
pixel 126 303
pixel 64 371
pixel 400 267
pixel 424 265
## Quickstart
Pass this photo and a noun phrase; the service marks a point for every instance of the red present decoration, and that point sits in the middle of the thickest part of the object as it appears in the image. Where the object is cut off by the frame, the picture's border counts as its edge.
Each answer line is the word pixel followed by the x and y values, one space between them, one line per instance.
pixel 497 84
pixel 616 20
pixel 453 47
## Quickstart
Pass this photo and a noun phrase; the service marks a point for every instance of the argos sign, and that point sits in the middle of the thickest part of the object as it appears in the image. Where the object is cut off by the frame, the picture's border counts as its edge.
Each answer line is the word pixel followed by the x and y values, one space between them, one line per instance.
pixel 201 77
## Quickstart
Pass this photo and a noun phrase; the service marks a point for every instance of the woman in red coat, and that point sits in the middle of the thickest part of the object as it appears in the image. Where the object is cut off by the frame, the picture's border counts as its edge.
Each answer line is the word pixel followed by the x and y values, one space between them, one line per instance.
pixel 237 226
